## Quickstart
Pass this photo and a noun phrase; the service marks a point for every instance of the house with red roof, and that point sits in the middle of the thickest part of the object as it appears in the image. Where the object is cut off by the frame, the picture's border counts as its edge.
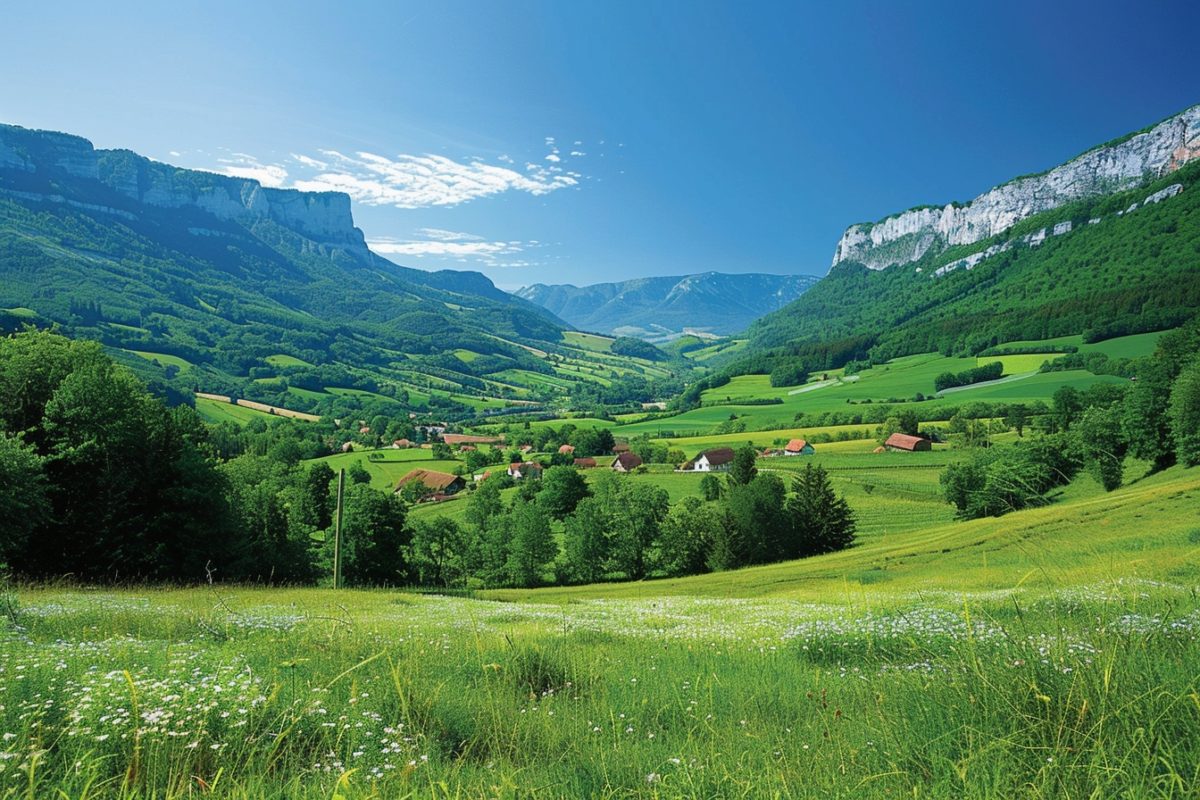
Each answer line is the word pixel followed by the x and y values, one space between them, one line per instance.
pixel 798 447
pixel 902 442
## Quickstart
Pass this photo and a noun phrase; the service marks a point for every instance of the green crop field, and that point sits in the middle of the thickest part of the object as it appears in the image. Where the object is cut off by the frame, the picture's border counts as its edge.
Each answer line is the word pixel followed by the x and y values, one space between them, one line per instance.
pixel 165 360
pixel 1013 365
pixel 216 412
pixel 282 360
pixel 466 356
pixel 1049 653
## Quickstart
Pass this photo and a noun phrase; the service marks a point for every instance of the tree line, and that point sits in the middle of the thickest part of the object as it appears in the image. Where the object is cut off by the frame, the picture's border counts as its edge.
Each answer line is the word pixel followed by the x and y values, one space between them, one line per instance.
pixel 101 481
pixel 1155 419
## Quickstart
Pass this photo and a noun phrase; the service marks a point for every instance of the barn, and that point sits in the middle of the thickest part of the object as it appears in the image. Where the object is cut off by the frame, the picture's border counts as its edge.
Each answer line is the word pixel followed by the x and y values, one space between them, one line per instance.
pixel 439 484
pixel 902 442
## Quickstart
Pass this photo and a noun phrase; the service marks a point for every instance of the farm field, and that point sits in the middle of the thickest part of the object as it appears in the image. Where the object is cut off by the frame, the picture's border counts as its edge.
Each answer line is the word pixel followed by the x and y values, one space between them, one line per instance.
pixel 283 360
pixel 163 359
pixel 899 381
pixel 1134 346
pixel 874 660
pixel 216 412
pixel 588 341
pixel 391 466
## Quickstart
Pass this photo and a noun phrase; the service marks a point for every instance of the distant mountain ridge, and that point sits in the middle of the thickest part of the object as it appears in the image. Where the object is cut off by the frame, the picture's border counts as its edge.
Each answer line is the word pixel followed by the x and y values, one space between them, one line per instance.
pixel 662 307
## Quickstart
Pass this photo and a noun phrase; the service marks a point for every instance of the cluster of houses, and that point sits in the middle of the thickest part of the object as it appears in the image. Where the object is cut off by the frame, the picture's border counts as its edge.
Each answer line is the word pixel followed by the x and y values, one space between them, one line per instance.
pixel 443 485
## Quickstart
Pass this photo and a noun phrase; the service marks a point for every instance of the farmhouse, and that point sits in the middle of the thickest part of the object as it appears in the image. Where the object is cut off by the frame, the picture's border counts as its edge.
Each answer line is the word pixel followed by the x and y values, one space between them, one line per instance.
pixel 439 484
pixel 620 447
pixel 902 442
pixel 527 469
pixel 402 444
pixel 719 459
pixel 798 447
pixel 626 462
pixel 566 449
pixel 585 463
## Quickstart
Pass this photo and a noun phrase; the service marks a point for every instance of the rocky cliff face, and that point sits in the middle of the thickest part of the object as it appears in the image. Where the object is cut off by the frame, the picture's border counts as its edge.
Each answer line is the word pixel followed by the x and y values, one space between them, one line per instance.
pixel 323 218
pixel 906 237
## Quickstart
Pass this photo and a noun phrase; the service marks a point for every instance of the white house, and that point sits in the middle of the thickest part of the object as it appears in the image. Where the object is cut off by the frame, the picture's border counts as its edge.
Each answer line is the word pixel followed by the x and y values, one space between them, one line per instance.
pixel 717 460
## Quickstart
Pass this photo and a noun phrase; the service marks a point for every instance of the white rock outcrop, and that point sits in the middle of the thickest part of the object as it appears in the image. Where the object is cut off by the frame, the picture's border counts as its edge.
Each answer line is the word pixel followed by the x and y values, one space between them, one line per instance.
pixel 906 237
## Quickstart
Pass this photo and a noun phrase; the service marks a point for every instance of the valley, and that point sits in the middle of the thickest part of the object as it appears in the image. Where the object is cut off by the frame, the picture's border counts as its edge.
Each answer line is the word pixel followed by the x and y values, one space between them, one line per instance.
pixel 287 519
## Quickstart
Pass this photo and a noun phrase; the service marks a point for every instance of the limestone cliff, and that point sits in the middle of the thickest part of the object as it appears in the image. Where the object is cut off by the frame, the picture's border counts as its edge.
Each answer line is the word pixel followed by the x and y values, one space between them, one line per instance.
pixel 323 218
pixel 908 236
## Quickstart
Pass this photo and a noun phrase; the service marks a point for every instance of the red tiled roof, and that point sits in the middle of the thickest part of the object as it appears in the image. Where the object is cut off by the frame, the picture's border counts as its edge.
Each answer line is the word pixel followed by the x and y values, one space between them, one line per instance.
pixel 584 463
pixel 796 445
pixel 566 449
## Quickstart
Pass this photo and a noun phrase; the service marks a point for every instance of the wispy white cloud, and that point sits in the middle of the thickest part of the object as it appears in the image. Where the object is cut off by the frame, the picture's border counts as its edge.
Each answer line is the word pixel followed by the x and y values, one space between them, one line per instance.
pixel 553 157
pixel 241 165
pixel 409 181
pixel 442 235
pixel 453 245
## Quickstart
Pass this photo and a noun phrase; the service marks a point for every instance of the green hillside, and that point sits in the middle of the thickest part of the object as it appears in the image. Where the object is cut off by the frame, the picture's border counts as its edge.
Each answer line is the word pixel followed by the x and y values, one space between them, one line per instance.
pixel 1126 273
pixel 274 305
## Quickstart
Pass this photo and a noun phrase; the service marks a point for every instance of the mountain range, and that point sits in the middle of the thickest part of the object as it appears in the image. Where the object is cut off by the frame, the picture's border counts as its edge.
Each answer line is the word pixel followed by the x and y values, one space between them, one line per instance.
pixel 664 308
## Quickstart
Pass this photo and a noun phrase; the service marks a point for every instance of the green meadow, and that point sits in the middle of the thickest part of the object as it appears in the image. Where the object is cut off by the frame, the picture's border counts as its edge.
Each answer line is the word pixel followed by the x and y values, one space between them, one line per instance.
pixel 216 412
pixel 1049 653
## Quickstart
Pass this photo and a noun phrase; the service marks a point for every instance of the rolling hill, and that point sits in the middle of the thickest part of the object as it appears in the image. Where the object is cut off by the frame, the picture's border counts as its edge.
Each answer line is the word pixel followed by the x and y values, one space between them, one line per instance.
pixel 661 309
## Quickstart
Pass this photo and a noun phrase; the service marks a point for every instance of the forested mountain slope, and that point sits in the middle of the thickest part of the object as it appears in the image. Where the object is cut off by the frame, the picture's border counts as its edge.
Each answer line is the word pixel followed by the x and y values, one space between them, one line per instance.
pixel 1123 258
pixel 224 274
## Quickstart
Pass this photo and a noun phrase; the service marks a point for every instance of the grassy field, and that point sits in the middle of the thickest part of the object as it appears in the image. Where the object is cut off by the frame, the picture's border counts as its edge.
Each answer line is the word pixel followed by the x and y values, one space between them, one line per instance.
pixel 392 464
pixel 897 381
pixel 283 360
pixel 1135 346
pixel 216 412
pixel 588 341
pixel 164 360
pixel 1049 653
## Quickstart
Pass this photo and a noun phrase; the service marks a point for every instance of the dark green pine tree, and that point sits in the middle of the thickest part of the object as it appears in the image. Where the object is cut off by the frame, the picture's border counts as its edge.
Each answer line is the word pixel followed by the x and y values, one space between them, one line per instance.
pixel 821 521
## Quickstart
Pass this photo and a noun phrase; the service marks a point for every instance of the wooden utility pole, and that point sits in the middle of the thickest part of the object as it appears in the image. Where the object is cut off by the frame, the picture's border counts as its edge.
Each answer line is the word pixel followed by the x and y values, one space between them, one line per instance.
pixel 337 531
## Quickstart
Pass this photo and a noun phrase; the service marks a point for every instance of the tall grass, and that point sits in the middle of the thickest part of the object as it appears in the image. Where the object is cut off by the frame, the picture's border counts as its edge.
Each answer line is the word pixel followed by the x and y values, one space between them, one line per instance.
pixel 1081 692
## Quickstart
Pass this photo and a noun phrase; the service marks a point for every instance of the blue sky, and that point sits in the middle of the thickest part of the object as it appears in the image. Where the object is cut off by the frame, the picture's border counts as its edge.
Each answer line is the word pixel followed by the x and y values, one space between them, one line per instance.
pixel 583 141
